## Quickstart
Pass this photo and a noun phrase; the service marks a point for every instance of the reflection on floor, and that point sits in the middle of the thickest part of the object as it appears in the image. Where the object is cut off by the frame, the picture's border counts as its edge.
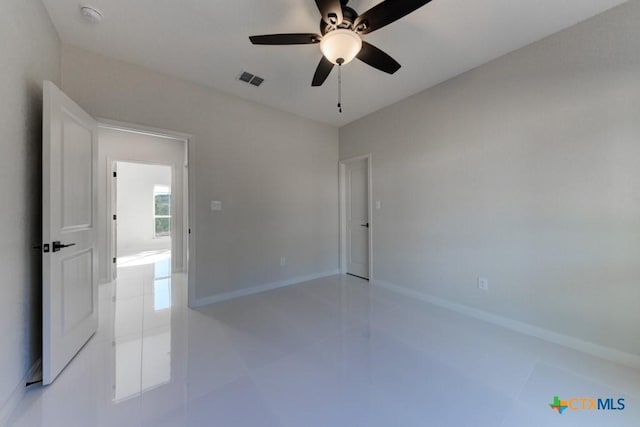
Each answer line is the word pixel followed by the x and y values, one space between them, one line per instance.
pixel 142 324
pixel 142 258
pixel 330 352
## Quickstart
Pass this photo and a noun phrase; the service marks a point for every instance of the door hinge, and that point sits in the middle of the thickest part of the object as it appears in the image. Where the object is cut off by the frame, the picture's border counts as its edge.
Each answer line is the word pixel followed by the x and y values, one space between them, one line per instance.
pixel 114 260
pixel 115 174
pixel 115 217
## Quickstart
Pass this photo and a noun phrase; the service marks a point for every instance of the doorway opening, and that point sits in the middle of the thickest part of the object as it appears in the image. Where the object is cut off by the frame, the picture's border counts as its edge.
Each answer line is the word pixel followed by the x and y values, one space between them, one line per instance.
pixel 356 224
pixel 144 212
pixel 145 204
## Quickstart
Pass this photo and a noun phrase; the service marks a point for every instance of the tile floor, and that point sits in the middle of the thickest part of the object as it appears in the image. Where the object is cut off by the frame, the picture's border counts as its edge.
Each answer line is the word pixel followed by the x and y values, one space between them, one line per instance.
pixel 330 352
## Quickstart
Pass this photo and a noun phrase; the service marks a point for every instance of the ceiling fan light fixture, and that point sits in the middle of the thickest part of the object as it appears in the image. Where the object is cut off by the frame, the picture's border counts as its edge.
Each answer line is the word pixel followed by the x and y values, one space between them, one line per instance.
pixel 340 46
pixel 91 14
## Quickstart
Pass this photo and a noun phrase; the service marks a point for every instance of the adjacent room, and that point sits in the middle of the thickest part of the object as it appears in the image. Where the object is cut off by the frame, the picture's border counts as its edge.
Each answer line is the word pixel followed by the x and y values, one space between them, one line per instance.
pixel 331 213
pixel 143 206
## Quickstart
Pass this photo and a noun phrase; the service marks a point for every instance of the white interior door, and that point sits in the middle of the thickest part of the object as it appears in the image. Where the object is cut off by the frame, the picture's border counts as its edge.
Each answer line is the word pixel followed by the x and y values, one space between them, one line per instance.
pixel 69 190
pixel 114 218
pixel 357 224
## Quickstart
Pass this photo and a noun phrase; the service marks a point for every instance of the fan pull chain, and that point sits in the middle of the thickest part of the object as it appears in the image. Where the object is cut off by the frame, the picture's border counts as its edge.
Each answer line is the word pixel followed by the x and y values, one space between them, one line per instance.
pixel 340 87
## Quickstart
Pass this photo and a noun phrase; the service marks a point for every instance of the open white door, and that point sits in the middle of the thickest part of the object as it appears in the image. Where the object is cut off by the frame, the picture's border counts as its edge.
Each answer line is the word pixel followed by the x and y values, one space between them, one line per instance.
pixel 69 200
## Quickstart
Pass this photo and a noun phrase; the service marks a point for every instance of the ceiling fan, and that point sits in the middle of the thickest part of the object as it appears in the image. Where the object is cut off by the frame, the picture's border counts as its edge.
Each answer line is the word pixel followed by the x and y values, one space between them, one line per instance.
pixel 341 29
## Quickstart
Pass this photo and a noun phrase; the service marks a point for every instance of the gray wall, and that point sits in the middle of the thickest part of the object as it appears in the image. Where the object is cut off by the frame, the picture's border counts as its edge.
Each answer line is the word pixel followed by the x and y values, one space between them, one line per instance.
pixel 525 170
pixel 136 221
pixel 274 172
pixel 29 54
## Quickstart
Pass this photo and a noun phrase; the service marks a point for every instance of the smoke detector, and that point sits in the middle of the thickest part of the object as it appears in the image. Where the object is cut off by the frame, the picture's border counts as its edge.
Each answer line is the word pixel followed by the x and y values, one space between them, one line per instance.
pixel 91 14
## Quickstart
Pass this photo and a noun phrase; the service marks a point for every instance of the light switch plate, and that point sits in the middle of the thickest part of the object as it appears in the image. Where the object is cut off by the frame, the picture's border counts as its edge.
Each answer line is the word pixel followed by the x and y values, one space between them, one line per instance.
pixel 216 205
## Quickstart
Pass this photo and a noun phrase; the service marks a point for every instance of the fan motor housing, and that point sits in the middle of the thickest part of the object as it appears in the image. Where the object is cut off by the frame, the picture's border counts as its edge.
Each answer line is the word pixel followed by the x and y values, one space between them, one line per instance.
pixel 348 18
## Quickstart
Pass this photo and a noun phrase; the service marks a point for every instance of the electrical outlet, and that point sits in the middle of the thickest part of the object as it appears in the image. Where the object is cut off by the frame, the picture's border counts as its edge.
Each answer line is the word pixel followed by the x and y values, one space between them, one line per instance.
pixel 283 261
pixel 483 283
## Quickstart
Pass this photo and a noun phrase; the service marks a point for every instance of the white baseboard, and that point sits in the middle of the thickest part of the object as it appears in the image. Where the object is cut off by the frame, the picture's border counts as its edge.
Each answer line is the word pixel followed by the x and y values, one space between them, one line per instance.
pixel 16 396
pixel 607 353
pixel 260 288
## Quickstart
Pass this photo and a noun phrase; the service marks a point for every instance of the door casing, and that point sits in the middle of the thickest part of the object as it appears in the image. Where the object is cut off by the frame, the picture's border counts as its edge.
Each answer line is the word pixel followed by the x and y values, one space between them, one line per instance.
pixel 183 244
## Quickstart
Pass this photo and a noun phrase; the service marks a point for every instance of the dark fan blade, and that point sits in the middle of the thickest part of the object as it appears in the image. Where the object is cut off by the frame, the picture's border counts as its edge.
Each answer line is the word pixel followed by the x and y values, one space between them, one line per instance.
pixel 322 72
pixel 282 39
pixel 377 59
pixel 385 13
pixel 331 11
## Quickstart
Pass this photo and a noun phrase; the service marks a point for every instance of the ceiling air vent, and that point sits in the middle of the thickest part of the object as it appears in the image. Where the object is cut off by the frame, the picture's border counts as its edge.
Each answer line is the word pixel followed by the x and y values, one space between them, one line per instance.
pixel 249 78
pixel 256 81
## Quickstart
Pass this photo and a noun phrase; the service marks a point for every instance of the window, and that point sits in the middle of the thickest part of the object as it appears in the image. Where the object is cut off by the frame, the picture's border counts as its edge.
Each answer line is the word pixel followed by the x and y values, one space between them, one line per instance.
pixel 162 210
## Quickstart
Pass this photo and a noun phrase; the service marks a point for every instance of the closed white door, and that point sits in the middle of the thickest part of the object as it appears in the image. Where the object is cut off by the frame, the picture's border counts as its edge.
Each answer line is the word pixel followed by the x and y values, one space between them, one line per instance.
pixel 357 204
pixel 69 190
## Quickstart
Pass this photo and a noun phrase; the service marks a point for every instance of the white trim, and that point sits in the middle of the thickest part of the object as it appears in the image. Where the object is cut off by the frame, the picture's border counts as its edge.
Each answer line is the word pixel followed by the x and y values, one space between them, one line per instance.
pixel 145 130
pixel 18 393
pixel 342 220
pixel 342 232
pixel 189 229
pixel 260 288
pixel 574 343
pixel 342 169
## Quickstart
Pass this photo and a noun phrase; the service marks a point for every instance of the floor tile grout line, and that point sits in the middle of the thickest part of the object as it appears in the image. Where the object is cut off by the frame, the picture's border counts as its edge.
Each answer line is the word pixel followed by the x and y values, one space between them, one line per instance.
pixel 516 398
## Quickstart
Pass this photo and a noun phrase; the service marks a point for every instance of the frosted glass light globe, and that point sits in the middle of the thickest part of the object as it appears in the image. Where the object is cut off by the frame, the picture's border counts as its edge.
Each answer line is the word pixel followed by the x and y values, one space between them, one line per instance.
pixel 340 45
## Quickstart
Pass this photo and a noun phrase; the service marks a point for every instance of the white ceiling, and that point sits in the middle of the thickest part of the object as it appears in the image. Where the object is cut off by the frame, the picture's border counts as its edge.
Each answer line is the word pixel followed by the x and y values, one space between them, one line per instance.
pixel 206 41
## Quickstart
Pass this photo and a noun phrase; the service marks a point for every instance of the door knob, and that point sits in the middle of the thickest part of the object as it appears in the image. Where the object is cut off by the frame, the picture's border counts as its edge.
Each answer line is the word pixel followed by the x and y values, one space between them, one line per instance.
pixel 364 225
pixel 57 246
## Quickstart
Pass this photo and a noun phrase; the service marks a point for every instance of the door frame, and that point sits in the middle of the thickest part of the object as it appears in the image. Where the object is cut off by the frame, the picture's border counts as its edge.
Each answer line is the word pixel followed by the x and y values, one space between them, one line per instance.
pixel 180 244
pixel 343 210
